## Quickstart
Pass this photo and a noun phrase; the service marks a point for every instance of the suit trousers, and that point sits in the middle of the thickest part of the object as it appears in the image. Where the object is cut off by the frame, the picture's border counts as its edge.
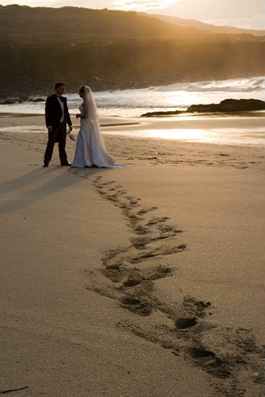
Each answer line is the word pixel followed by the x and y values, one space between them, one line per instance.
pixel 57 135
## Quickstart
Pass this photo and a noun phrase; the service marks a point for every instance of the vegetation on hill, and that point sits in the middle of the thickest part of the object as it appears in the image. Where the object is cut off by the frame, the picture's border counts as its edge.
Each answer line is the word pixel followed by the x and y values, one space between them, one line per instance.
pixel 27 25
pixel 113 49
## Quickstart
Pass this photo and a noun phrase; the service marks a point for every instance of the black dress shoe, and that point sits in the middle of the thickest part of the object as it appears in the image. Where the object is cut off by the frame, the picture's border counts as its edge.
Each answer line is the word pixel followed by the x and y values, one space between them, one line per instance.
pixel 65 164
pixel 45 165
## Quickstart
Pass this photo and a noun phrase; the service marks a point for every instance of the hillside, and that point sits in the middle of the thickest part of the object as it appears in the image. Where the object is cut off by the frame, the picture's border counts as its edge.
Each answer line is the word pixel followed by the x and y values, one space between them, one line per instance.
pixel 27 25
pixel 114 49
pixel 206 26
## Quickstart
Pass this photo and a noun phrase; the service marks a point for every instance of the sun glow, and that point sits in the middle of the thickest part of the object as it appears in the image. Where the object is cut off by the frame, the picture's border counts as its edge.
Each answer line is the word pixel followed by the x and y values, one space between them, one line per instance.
pixel 194 135
pixel 180 97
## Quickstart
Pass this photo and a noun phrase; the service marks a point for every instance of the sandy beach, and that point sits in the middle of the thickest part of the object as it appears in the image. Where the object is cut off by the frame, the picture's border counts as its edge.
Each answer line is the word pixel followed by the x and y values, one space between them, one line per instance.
pixel 146 280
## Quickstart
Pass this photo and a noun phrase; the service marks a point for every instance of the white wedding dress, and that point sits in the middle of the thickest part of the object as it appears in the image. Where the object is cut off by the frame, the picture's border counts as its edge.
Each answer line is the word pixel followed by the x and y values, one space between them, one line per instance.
pixel 90 146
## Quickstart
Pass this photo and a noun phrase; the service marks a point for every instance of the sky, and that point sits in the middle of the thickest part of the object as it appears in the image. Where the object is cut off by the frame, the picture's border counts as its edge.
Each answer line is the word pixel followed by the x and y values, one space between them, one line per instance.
pixel 247 14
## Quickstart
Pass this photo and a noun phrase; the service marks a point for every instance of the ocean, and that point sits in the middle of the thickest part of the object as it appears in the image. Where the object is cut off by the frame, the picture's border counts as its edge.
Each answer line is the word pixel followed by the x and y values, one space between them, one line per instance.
pixel 135 102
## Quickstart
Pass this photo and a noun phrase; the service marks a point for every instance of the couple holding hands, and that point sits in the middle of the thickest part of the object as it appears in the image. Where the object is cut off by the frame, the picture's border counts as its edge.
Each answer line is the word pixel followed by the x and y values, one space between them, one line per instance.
pixel 90 147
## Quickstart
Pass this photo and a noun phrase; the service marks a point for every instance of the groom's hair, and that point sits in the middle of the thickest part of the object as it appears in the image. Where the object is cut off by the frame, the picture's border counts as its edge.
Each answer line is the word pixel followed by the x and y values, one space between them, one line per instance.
pixel 57 85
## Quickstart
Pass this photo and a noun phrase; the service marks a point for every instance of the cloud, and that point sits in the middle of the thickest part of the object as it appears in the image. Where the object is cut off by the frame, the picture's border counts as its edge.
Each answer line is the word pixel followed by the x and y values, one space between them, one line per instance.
pixel 140 5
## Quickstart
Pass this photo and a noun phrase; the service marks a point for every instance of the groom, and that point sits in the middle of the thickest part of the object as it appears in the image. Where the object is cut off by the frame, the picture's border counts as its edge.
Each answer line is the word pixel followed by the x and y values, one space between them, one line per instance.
pixel 57 116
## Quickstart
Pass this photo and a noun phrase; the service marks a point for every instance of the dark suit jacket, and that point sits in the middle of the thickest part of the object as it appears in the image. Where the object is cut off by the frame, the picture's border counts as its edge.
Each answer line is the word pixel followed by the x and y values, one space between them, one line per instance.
pixel 53 111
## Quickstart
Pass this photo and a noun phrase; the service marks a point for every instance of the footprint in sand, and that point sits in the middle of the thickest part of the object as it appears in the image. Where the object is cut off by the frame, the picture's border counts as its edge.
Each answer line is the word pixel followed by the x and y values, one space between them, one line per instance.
pixel 136 306
pixel 184 323
pixel 205 357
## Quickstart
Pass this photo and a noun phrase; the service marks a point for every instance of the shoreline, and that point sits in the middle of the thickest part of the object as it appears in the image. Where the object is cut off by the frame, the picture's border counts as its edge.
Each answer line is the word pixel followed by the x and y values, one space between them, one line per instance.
pixel 244 130
pixel 156 264
pixel 252 113
pixel 115 85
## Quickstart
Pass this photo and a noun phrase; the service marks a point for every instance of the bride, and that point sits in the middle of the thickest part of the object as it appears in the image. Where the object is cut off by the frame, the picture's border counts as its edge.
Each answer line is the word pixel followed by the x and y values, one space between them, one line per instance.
pixel 90 147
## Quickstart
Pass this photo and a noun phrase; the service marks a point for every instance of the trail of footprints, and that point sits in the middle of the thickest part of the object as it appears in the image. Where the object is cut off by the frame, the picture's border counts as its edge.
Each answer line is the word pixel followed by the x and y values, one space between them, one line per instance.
pixel 132 272
pixel 152 237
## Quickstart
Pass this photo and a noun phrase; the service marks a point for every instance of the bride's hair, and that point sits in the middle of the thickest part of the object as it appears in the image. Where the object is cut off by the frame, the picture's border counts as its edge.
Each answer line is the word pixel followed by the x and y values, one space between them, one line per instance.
pixel 83 89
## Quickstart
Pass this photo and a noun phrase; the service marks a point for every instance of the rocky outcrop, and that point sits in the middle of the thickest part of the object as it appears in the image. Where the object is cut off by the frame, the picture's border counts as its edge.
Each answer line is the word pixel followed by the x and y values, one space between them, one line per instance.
pixel 229 105
pixel 225 106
